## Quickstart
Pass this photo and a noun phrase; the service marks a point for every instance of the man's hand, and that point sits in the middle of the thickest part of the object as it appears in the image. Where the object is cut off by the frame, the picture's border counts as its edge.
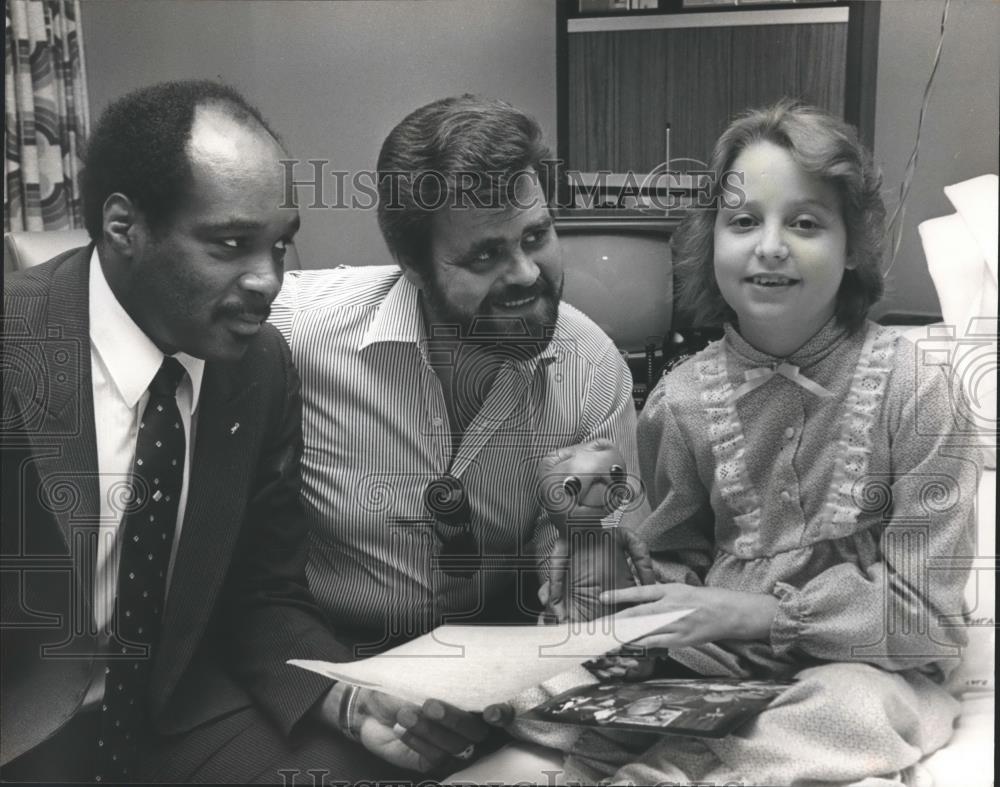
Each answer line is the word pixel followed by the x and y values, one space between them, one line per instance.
pixel 628 663
pixel 417 737
pixel 718 613
pixel 589 561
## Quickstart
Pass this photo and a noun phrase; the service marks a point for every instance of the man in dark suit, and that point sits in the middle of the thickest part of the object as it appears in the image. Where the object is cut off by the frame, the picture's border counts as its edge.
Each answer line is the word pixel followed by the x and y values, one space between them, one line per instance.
pixel 153 542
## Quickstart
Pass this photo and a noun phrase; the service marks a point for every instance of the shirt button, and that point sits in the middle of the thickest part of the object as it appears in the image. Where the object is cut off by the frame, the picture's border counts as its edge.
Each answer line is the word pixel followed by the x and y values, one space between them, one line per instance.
pixel 786 496
pixel 790 433
pixel 436 421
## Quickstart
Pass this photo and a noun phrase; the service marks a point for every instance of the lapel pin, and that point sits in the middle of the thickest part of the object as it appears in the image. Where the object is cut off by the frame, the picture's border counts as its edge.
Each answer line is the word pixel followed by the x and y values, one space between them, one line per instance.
pixel 234 427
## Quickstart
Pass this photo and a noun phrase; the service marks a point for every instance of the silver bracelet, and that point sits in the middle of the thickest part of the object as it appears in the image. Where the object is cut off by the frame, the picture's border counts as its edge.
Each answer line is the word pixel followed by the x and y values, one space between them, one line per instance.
pixel 348 703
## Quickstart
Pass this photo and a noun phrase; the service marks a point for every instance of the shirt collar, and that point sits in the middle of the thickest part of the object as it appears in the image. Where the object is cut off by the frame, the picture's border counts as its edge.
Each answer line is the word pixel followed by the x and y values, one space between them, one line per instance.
pixel 130 356
pixel 399 318
pixel 817 347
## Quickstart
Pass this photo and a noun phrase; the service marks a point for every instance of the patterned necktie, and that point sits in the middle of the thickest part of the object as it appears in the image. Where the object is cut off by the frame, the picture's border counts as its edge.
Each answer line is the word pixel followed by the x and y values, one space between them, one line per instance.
pixel 147 537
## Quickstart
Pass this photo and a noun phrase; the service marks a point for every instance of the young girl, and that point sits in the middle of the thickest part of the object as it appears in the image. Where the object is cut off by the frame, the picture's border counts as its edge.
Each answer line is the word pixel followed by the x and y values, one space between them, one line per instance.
pixel 803 467
pixel 808 502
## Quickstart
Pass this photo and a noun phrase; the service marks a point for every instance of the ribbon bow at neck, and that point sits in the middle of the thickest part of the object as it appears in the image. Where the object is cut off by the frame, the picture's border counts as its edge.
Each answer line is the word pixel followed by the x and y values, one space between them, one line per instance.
pixel 755 378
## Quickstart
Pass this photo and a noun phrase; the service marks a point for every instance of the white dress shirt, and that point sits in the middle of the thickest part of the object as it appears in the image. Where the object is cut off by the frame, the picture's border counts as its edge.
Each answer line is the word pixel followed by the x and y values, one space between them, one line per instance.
pixel 123 362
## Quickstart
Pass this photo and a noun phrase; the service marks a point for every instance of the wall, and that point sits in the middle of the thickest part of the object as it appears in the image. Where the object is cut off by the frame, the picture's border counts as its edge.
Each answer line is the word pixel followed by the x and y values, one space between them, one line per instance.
pixel 335 77
pixel 332 78
pixel 959 138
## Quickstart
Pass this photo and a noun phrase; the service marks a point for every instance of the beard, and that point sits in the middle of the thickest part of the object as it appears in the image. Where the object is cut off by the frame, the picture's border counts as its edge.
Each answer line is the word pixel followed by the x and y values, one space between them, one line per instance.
pixel 490 323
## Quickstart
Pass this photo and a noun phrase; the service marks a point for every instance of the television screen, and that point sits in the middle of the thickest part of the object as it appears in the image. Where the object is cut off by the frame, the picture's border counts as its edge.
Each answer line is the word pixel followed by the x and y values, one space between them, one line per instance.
pixel 618 273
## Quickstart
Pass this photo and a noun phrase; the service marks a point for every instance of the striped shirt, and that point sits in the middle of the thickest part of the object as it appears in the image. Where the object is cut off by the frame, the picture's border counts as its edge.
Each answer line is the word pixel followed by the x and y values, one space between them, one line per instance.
pixel 376 433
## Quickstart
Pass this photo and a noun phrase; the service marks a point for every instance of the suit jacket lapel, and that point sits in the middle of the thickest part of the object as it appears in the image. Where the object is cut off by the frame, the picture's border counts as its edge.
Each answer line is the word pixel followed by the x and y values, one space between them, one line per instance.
pixel 225 448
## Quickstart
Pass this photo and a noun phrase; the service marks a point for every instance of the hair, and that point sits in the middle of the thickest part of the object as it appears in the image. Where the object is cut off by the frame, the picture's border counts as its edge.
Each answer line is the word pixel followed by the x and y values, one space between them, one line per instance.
pixel 139 148
pixel 463 151
pixel 821 145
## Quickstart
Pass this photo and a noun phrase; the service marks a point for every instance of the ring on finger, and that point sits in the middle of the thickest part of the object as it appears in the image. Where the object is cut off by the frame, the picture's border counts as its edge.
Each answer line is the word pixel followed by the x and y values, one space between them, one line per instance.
pixel 467 752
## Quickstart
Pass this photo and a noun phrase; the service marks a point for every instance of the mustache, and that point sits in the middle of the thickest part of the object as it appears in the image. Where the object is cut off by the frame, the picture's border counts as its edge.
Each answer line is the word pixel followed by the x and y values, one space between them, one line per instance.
pixel 541 287
pixel 239 310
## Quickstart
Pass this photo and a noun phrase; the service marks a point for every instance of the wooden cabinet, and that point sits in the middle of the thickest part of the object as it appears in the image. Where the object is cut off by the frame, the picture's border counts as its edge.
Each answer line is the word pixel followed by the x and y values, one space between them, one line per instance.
pixel 620 88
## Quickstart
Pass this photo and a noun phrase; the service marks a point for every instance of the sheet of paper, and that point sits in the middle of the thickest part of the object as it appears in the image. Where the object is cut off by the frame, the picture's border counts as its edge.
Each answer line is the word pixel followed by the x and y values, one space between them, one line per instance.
pixel 475 666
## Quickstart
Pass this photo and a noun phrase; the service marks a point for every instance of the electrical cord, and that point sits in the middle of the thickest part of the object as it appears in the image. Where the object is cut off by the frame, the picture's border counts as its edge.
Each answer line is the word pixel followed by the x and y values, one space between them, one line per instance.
pixel 894 227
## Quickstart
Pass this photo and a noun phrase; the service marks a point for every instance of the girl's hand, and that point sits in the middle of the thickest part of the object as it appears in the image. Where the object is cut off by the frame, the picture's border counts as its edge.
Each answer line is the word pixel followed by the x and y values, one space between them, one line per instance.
pixel 717 613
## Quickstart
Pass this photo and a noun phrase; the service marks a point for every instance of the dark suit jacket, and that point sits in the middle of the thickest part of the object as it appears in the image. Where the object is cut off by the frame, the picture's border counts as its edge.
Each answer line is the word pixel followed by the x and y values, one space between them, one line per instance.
pixel 238 603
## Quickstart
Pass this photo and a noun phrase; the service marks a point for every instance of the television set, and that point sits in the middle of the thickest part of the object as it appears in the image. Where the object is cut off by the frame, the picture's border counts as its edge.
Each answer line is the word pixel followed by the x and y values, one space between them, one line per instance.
pixel 618 273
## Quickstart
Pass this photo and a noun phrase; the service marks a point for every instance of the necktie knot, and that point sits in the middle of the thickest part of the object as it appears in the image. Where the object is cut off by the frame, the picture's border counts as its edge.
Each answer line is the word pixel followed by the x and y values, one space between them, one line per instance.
pixel 167 378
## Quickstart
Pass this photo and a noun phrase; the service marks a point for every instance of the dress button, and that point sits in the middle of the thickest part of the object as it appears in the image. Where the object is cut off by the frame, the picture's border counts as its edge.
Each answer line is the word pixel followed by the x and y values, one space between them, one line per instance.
pixel 786 496
pixel 789 433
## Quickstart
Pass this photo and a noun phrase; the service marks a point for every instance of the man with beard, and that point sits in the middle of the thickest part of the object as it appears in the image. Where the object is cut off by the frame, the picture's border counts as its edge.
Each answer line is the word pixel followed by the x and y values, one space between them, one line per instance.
pixel 434 388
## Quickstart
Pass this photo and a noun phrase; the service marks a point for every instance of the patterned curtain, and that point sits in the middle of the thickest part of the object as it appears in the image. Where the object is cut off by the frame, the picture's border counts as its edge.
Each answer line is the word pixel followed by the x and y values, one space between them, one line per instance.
pixel 45 115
